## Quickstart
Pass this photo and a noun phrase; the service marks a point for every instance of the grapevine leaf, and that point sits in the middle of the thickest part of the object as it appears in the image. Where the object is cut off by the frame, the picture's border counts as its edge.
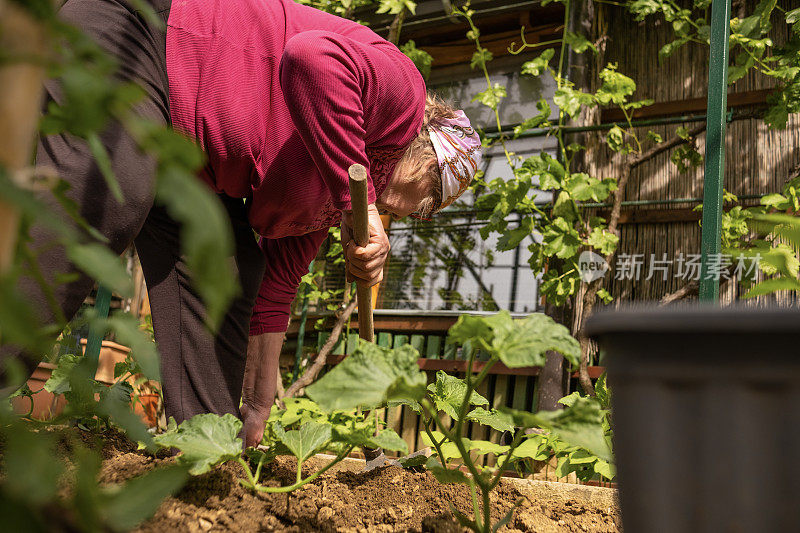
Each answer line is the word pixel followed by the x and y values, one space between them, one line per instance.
pixel 491 97
pixel 778 201
pixel 583 187
pixel 616 87
pixel 616 138
pixel 578 42
pixel 561 239
pixel 604 241
pixel 480 58
pixel 536 66
pixel 420 57
pixel 570 100
pixel 511 238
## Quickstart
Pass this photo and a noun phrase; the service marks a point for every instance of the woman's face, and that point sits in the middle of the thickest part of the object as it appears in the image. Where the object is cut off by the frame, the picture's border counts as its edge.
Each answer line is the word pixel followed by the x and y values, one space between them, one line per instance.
pixel 403 195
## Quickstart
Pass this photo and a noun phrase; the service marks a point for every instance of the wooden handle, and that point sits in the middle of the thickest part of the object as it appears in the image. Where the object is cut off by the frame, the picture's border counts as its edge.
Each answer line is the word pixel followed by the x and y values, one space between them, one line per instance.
pixel 358 201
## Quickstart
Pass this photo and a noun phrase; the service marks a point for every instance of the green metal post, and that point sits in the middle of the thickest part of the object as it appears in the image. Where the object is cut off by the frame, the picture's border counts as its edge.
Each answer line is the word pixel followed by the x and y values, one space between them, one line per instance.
pixel 95 341
pixel 715 145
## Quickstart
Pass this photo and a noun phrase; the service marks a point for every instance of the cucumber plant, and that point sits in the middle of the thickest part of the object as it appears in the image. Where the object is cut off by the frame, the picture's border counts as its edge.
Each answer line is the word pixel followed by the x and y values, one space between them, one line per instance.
pixel 335 422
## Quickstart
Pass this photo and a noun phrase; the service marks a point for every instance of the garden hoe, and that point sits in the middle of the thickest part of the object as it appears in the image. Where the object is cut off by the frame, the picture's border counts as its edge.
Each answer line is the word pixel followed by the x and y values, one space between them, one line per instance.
pixel 358 201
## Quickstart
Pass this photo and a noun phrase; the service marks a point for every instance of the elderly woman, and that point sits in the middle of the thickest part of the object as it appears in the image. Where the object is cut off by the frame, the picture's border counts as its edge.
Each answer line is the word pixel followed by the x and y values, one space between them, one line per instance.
pixel 283 99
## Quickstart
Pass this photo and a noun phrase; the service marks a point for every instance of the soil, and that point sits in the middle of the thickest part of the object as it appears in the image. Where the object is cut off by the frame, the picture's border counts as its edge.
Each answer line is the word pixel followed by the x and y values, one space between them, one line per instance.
pixel 346 500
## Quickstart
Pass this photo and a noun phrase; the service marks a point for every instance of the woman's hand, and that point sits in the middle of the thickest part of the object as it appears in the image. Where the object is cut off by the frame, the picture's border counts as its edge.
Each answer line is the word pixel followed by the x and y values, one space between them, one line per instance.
pixel 254 420
pixel 260 384
pixel 365 263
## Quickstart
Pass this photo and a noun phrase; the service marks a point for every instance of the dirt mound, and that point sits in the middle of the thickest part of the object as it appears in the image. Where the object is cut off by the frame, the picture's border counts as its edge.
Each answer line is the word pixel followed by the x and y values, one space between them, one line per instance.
pixel 345 500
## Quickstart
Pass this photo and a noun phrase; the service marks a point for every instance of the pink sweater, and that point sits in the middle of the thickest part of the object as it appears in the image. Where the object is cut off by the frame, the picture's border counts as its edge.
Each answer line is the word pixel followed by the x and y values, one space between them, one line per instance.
pixel 283 98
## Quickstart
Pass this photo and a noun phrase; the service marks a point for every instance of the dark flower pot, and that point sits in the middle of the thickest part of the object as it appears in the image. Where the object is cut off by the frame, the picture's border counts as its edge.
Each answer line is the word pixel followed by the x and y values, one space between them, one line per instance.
pixel 706 413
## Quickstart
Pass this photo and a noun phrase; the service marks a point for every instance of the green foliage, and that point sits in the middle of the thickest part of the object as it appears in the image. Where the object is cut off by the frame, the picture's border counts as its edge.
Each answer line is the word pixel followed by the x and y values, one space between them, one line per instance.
pixel 491 97
pixel 493 418
pixel 448 393
pixel 537 66
pixel 580 424
pixel 570 100
pixel 129 504
pixel 578 42
pixel 750 47
pixel 517 343
pixel 480 58
pixel 305 442
pixel 393 7
pixel 382 378
pixel 204 440
pixel 686 157
pixel 420 57
pixel 102 265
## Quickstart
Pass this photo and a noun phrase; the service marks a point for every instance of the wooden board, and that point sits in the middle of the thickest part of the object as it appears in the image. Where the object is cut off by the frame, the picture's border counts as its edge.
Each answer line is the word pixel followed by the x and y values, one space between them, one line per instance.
pixel 454 366
pixel 688 106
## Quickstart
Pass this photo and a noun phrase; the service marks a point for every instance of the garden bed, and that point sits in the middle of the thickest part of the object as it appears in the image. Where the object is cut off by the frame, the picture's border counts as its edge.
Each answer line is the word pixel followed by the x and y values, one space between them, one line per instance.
pixel 344 499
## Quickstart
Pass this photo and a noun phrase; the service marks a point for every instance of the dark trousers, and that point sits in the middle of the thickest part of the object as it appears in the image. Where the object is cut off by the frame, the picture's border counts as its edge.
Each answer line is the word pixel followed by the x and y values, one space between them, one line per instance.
pixel 201 372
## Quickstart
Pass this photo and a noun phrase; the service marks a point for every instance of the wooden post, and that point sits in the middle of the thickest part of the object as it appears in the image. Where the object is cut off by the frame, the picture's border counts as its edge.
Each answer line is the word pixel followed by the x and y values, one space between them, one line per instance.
pixel 358 201
pixel 21 36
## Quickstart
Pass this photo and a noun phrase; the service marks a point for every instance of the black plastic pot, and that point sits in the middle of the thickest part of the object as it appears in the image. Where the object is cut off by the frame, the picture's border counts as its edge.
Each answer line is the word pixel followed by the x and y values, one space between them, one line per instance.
pixel 706 413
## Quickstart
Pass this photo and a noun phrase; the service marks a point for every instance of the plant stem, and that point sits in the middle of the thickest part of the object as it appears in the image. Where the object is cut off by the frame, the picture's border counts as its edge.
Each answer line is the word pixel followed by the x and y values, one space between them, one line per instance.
pixel 257 475
pixel 475 507
pixel 525 44
pixel 307 480
pixel 514 444
pixel 560 83
pixel 489 85
pixel 253 484
pixel 299 471
pixel 487 508
pixel 436 444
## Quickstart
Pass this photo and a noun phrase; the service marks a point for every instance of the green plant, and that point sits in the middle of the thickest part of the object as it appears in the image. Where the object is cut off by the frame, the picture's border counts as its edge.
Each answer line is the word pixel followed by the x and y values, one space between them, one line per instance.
pixel 517 343
pixel 306 427
pixel 571 458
